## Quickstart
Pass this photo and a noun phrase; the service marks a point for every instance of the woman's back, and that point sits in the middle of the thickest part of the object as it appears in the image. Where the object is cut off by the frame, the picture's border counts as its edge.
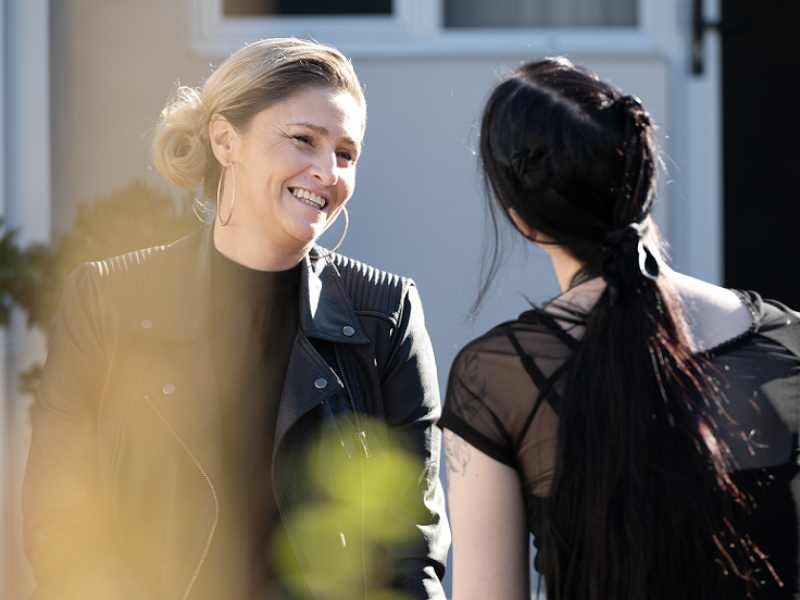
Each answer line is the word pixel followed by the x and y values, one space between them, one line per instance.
pixel 505 387
pixel 643 423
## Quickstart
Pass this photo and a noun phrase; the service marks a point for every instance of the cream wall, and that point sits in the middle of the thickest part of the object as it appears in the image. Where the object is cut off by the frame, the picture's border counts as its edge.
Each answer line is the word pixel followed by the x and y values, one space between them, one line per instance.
pixel 114 65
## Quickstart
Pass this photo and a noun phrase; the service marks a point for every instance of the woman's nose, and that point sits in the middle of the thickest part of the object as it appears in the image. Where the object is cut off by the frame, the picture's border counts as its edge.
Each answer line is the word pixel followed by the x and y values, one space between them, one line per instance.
pixel 326 170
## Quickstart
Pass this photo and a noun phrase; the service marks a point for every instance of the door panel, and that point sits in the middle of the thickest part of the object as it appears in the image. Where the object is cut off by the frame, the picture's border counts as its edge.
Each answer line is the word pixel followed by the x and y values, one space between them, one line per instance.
pixel 760 66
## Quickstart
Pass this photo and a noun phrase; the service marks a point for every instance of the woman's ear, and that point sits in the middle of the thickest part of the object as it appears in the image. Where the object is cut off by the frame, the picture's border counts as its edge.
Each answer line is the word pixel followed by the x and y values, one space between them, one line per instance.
pixel 222 135
pixel 529 232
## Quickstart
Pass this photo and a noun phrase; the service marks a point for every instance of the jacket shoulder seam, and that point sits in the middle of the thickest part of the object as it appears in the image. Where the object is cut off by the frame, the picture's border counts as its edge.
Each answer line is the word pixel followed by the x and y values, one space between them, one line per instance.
pixel 373 292
pixel 125 277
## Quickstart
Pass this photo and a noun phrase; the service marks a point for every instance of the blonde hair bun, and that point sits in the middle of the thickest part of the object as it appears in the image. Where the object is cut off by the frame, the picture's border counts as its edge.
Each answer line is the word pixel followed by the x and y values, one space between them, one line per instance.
pixel 181 146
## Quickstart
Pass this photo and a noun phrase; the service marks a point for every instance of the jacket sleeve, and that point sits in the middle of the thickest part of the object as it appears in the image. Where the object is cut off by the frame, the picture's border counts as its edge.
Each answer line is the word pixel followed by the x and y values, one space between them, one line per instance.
pixel 417 505
pixel 67 533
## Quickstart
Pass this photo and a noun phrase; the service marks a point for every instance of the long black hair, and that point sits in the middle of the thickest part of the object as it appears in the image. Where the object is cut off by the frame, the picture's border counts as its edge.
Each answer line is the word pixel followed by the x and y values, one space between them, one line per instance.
pixel 641 488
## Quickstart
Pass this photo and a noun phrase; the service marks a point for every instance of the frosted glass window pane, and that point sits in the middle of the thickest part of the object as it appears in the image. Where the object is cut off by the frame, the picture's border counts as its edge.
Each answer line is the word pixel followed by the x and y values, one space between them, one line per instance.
pixel 243 8
pixel 539 13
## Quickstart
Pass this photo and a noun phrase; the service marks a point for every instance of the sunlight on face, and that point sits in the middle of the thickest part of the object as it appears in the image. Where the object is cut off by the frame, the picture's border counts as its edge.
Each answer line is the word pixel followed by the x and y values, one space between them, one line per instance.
pixel 296 167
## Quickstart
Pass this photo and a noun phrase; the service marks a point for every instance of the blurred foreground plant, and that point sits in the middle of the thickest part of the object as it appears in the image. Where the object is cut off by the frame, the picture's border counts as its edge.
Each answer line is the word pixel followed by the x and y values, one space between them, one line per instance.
pixel 368 516
pixel 129 218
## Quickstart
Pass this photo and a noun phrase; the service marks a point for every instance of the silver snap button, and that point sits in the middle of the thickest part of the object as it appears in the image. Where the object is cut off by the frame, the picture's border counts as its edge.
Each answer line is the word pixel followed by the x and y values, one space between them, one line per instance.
pixel 320 383
pixel 168 389
pixel 146 324
pixel 348 331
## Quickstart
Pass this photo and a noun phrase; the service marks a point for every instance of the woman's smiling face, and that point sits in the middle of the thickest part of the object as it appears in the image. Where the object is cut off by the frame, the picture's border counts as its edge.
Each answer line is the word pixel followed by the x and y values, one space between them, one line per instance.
pixel 295 167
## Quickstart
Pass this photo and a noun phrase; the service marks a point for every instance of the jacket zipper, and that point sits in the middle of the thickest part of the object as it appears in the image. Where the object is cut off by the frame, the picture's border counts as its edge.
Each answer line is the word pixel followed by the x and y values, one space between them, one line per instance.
pixel 210 485
pixel 361 438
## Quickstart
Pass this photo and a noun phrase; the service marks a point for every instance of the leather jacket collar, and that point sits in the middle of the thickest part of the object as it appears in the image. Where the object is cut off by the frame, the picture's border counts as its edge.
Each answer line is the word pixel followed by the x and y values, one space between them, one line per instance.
pixel 176 304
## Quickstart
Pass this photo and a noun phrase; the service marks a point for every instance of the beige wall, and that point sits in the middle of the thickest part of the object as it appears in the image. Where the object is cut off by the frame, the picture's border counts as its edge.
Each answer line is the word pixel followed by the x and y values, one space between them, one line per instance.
pixel 115 63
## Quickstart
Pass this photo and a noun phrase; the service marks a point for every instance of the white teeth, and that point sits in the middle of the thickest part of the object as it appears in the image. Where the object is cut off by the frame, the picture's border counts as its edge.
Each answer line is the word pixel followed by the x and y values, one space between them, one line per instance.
pixel 309 198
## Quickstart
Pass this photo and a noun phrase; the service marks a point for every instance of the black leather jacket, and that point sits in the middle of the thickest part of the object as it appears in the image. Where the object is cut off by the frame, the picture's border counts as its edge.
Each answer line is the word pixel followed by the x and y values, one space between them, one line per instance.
pixel 120 493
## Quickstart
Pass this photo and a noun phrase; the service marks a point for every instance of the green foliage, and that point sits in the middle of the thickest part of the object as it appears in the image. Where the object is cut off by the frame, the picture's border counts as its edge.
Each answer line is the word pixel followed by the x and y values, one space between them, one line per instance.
pixel 36 287
pixel 29 380
pixel 129 218
pixel 11 260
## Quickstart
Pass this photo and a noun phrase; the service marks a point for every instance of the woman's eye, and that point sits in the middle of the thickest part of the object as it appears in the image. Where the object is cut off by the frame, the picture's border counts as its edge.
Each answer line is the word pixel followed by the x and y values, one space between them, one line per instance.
pixel 345 155
pixel 304 139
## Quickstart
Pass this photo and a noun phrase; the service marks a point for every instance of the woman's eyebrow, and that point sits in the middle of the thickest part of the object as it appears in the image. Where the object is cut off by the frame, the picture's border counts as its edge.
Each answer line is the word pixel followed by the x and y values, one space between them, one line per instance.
pixel 323 131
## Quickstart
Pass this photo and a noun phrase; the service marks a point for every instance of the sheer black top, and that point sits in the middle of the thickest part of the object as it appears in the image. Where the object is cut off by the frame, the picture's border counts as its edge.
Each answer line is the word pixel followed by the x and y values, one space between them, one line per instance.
pixel 503 397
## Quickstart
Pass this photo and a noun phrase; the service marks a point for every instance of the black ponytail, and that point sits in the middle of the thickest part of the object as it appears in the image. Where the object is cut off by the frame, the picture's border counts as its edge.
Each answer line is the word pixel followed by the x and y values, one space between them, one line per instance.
pixel 641 490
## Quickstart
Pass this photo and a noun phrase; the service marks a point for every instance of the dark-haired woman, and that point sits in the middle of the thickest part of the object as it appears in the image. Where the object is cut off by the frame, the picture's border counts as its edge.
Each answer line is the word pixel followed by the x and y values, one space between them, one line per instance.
pixel 643 425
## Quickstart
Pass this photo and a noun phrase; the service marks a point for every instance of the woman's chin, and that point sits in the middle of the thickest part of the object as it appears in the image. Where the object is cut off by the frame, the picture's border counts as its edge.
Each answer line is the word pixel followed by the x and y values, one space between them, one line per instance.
pixel 308 235
pixel 310 225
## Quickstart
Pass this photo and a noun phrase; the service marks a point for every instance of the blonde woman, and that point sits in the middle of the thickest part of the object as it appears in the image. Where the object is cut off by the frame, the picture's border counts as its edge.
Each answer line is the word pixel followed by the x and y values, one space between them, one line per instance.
pixel 218 418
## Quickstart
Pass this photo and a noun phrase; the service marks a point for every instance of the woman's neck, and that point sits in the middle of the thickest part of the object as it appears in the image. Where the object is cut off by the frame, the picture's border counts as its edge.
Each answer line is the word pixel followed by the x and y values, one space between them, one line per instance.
pixel 565 265
pixel 713 314
pixel 255 252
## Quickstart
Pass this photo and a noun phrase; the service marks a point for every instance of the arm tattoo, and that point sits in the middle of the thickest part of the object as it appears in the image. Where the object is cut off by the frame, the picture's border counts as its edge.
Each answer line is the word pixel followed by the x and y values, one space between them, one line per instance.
pixel 456 453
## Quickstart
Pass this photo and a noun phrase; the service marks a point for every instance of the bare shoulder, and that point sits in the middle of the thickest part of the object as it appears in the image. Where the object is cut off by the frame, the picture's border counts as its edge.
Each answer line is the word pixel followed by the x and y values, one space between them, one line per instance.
pixel 714 314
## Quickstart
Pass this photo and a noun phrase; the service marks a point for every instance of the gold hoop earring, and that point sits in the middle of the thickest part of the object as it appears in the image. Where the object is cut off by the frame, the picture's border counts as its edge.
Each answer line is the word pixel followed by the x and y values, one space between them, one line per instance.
pixel 233 197
pixel 346 226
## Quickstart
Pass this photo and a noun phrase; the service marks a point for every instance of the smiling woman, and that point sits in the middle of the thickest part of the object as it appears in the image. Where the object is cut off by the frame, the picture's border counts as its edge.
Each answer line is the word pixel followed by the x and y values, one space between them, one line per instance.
pixel 296 164
pixel 242 414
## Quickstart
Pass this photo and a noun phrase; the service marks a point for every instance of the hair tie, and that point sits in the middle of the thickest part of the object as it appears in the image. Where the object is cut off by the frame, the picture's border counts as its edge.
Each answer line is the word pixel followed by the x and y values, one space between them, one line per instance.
pixel 623 102
pixel 624 244
pixel 641 117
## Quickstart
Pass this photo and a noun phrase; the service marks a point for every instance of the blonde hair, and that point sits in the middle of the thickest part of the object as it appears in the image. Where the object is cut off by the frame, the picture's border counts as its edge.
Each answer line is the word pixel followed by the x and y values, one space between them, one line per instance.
pixel 250 80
